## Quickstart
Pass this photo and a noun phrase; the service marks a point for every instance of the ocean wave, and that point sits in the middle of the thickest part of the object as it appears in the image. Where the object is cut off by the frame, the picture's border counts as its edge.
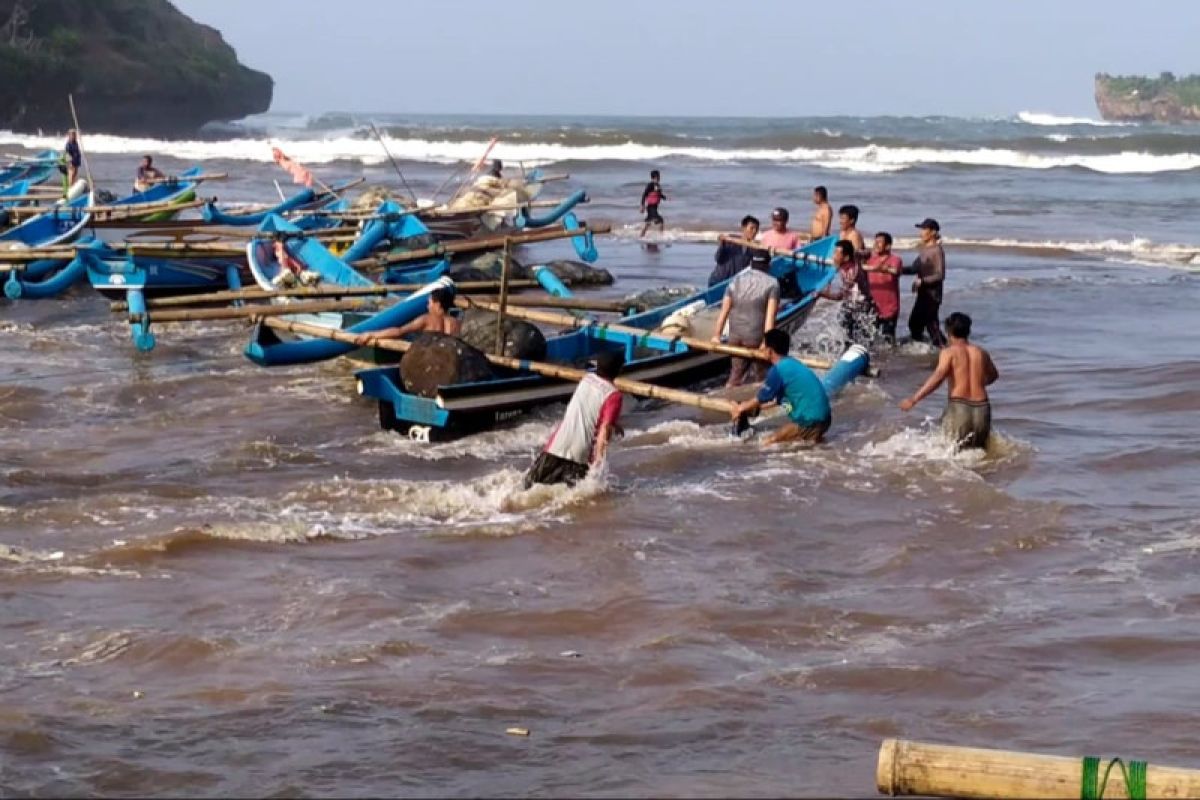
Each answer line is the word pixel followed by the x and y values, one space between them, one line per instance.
pixel 1041 118
pixel 865 158
pixel 1136 250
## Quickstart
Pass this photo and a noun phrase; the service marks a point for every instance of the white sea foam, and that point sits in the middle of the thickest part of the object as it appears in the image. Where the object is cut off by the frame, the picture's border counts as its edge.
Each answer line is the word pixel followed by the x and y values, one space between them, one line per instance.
pixel 1133 250
pixel 867 158
pixel 1041 118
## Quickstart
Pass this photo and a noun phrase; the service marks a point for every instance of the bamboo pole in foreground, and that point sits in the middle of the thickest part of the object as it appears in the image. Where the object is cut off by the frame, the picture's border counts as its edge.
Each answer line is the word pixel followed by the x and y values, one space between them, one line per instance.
pixel 918 768
pixel 636 388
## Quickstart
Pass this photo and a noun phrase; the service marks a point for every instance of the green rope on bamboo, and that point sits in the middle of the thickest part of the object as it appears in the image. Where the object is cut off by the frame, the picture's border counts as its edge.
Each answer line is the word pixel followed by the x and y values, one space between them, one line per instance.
pixel 1092 786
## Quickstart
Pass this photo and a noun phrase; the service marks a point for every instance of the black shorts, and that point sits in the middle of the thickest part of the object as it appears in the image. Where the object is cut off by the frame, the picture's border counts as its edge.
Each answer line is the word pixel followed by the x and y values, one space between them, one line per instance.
pixel 548 468
pixel 652 214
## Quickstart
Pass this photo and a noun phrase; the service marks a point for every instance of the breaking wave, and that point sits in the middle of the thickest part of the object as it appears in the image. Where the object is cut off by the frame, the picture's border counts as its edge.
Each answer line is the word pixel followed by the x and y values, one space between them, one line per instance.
pixel 863 158
pixel 1040 118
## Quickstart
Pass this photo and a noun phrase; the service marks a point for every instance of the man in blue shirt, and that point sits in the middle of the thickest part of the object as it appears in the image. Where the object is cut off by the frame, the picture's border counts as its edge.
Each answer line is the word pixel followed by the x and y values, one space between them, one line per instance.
pixel 796 388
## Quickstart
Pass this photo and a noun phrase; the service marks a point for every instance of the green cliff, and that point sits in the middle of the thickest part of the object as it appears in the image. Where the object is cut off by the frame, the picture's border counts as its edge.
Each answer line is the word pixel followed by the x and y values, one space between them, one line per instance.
pixel 1135 98
pixel 134 66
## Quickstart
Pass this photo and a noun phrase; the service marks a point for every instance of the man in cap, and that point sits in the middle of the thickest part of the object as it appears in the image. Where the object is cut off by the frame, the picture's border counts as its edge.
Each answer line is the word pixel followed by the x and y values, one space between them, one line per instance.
pixel 750 304
pixel 930 268
pixel 780 237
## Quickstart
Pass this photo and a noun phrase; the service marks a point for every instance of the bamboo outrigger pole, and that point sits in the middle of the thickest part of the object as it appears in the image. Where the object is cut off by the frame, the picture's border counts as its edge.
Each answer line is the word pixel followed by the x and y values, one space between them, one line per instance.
pixel 318 292
pixel 567 321
pixel 918 768
pixel 636 388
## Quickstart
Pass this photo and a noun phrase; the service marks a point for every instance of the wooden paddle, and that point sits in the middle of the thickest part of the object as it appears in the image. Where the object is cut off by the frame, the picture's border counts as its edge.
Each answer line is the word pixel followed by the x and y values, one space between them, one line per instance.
pixel 636 388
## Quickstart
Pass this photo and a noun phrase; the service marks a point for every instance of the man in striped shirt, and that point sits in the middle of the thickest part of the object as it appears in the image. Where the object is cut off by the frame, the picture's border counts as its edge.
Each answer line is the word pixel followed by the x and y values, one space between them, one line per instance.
pixel 581 439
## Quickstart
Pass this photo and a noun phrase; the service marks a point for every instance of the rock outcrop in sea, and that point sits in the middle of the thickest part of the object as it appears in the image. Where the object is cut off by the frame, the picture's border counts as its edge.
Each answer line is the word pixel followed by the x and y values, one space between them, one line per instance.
pixel 1136 98
pixel 135 67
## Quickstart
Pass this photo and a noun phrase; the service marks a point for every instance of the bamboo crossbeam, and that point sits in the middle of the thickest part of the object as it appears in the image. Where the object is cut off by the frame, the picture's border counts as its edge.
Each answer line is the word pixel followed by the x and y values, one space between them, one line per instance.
pixel 215 176
pixel 477 245
pixel 774 250
pixel 568 321
pixel 255 311
pixel 918 768
pixel 636 388
pixel 232 295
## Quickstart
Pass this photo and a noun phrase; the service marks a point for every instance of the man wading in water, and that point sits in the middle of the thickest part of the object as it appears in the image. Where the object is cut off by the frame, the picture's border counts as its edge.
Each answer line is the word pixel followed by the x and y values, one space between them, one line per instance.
pixel 581 439
pixel 967 419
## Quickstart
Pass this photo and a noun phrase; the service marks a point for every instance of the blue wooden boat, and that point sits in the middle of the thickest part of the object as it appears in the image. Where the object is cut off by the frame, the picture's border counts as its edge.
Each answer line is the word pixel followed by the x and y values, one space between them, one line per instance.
pixel 174 190
pixel 467 408
pixel 134 278
pixel 17 191
pixel 50 278
pixel 58 226
pixel 268 347
pixel 304 200
pixel 36 169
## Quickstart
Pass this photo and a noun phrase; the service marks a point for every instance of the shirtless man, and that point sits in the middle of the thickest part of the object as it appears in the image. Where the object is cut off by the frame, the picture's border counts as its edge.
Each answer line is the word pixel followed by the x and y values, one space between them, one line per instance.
pixel 967 419
pixel 436 320
pixel 848 221
pixel 822 218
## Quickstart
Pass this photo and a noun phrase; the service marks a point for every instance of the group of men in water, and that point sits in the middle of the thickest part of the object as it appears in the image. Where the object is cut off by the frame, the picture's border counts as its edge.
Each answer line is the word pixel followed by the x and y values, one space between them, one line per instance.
pixel 868 287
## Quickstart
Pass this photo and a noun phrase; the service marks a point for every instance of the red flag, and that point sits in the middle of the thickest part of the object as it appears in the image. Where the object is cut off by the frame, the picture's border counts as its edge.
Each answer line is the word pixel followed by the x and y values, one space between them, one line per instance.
pixel 483 157
pixel 298 172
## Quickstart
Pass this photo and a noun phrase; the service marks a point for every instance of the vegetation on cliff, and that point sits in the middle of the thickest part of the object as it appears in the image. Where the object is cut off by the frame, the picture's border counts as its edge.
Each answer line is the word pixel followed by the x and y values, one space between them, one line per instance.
pixel 134 66
pixel 1141 98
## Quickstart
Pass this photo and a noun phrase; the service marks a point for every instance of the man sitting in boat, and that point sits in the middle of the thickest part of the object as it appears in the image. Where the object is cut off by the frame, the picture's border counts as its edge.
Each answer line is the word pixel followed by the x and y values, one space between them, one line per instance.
pixel 581 439
pixel 796 388
pixel 437 319
pixel 750 304
pixel 147 175
pixel 291 271
pixel 497 170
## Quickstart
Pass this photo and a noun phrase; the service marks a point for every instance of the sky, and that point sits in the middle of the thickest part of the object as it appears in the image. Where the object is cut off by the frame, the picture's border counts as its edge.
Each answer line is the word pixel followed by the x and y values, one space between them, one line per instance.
pixel 702 57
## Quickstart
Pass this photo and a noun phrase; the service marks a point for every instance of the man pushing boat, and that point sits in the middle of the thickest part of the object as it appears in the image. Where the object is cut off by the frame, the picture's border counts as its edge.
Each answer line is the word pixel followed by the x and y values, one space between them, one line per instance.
pixel 967 420
pixel 581 439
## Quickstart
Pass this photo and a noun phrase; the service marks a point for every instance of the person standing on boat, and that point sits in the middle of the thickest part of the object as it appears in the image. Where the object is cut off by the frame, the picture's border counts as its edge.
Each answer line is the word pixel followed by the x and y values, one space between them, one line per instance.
pixel 794 386
pixel 73 157
pixel 858 310
pixel 732 257
pixel 581 439
pixel 750 305
pixel 930 268
pixel 883 274
pixel 967 420
pixel 822 218
pixel 497 169
pixel 436 319
pixel 780 237
pixel 147 175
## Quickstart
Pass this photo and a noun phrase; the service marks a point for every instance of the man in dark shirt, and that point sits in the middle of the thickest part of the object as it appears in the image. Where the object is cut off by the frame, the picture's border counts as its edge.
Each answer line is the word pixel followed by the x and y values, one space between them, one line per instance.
pixel 930 268
pixel 732 258
pixel 73 157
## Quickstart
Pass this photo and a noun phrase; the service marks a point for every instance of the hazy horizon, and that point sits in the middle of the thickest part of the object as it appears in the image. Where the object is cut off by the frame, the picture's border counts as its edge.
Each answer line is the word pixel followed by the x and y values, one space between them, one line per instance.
pixel 673 58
